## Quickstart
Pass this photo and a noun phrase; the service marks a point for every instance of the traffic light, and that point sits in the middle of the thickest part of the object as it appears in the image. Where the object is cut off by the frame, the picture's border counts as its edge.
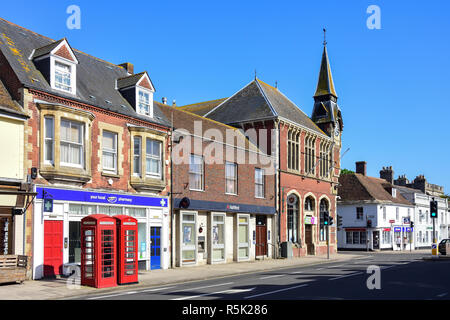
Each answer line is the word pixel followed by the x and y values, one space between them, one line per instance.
pixel 331 220
pixel 369 223
pixel 325 218
pixel 339 220
pixel 433 209
pixel 412 224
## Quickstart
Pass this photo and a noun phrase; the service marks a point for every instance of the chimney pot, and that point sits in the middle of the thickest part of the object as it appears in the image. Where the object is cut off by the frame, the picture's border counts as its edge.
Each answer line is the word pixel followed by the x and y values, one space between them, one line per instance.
pixel 174 103
pixel 164 100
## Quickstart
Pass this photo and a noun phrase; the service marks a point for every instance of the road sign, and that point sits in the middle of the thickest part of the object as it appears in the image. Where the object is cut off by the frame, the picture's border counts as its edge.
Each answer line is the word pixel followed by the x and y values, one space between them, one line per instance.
pixel 406 220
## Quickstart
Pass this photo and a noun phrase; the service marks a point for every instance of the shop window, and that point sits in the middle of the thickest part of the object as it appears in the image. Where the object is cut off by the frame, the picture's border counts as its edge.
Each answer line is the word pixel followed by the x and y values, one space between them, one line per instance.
pixel 243 237
pixel 142 240
pixel 218 237
pixel 188 237
pixel 348 237
pixel 6 235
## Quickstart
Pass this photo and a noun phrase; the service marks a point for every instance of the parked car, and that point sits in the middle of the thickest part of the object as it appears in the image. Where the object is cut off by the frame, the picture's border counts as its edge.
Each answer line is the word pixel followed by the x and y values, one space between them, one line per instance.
pixel 443 246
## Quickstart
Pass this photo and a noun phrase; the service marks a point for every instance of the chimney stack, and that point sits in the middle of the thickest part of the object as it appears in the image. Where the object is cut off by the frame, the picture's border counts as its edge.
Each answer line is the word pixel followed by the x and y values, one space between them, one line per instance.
pixel 361 167
pixel 128 67
pixel 387 174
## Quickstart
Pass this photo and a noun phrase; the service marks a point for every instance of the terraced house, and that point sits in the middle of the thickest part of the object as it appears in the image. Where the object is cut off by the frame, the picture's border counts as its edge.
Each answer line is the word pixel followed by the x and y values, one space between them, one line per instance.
pixel 224 193
pixel 97 142
pixel 307 152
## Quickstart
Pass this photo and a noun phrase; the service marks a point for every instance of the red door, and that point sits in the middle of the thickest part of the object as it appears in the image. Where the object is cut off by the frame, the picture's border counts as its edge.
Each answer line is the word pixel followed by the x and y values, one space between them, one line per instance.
pixel 53 248
pixel 261 236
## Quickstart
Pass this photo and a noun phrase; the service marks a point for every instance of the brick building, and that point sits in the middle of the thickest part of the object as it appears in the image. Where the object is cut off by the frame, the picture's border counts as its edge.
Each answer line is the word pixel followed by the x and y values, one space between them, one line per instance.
pixel 223 193
pixel 97 141
pixel 307 153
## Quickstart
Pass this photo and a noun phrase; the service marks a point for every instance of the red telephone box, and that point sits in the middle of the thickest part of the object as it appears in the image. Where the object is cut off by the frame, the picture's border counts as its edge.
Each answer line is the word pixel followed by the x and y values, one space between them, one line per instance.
pixel 98 251
pixel 127 249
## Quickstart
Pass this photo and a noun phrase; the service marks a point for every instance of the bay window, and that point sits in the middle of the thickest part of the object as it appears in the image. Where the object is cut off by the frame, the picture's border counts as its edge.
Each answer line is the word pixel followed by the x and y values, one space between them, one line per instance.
pixel 49 155
pixel 71 143
pixel 153 158
pixel 137 156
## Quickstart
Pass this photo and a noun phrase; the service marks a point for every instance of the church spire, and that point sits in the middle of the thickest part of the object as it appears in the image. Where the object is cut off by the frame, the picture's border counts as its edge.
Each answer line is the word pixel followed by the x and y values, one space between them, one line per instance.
pixel 325 85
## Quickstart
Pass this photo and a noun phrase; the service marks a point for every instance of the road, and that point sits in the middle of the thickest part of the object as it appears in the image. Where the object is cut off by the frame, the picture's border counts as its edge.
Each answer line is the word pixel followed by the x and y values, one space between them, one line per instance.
pixel 402 276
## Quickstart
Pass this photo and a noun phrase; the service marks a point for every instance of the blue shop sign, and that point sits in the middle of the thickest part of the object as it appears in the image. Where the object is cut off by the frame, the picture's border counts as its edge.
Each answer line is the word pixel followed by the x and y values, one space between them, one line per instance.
pixel 98 197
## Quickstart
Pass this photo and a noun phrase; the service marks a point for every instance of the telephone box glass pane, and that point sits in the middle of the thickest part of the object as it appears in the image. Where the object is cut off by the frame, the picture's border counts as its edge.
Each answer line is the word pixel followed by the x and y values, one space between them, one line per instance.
pixel 107 254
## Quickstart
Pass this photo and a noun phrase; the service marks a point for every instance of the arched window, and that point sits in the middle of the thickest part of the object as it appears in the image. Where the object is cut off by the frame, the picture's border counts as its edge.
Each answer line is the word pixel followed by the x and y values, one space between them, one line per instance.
pixel 309 204
pixel 324 208
pixel 293 218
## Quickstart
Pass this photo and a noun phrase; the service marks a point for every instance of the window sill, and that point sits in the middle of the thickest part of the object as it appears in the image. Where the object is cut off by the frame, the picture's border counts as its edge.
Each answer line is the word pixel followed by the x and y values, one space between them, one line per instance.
pixel 110 174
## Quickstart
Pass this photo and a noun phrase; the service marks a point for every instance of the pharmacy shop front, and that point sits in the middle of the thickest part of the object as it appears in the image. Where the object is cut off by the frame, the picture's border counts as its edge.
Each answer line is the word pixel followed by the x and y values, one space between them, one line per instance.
pixel 57 220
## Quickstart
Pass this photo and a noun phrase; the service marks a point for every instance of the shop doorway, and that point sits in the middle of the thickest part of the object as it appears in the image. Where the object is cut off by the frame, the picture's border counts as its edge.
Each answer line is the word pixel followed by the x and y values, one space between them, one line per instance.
pixel 155 248
pixel 309 239
pixel 53 248
pixel 261 236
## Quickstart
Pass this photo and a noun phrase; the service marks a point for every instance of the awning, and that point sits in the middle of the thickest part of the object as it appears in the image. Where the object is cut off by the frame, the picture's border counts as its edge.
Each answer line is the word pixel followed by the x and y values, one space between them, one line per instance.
pixel 17 199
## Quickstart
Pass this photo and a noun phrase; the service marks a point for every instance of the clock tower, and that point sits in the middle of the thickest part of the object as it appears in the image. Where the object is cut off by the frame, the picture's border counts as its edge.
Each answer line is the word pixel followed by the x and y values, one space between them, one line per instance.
pixel 326 113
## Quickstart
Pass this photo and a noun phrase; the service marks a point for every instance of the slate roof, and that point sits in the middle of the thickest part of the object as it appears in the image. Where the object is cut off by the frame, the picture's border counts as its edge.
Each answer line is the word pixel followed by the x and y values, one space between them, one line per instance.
pixel 95 77
pixel 202 108
pixel 259 100
pixel 186 120
pixel 357 187
pixel 7 105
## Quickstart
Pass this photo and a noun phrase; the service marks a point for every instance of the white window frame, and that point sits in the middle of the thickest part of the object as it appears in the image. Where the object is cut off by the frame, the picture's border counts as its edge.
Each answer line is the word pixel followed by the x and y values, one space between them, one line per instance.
pixel 144 91
pixel 189 247
pixel 113 152
pixel 82 144
pixel 243 244
pixel 149 156
pixel 260 184
pixel 202 173
pixel 234 179
pixel 52 139
pixel 218 246
pixel 73 73
pixel 138 156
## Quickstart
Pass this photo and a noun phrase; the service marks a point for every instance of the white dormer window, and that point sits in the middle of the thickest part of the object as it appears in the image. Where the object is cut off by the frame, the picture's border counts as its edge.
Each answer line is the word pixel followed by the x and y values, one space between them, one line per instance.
pixel 63 76
pixel 144 105
pixel 394 193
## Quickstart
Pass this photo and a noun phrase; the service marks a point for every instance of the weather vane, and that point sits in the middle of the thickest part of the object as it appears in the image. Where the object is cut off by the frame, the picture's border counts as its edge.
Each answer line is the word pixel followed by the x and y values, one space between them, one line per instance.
pixel 324 36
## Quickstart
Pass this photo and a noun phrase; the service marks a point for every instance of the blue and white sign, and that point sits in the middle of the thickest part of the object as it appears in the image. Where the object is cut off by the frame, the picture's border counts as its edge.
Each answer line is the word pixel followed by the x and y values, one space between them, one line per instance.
pixel 98 197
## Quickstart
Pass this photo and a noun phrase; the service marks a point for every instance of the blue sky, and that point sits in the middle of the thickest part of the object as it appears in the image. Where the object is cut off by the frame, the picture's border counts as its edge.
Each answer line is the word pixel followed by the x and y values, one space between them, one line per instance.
pixel 392 83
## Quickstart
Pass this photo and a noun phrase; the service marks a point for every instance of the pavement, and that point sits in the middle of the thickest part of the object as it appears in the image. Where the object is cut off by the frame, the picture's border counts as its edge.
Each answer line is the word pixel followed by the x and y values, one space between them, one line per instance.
pixel 65 288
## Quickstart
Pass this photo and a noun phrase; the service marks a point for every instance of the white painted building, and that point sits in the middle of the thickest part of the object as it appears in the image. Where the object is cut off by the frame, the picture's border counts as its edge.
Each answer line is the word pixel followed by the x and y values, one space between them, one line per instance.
pixel 423 223
pixel 375 216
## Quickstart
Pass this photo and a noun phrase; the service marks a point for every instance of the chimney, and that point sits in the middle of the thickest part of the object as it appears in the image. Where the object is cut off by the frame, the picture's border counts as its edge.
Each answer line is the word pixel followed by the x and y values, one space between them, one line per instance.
pixel 361 167
pixel 387 174
pixel 128 66
pixel 164 100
